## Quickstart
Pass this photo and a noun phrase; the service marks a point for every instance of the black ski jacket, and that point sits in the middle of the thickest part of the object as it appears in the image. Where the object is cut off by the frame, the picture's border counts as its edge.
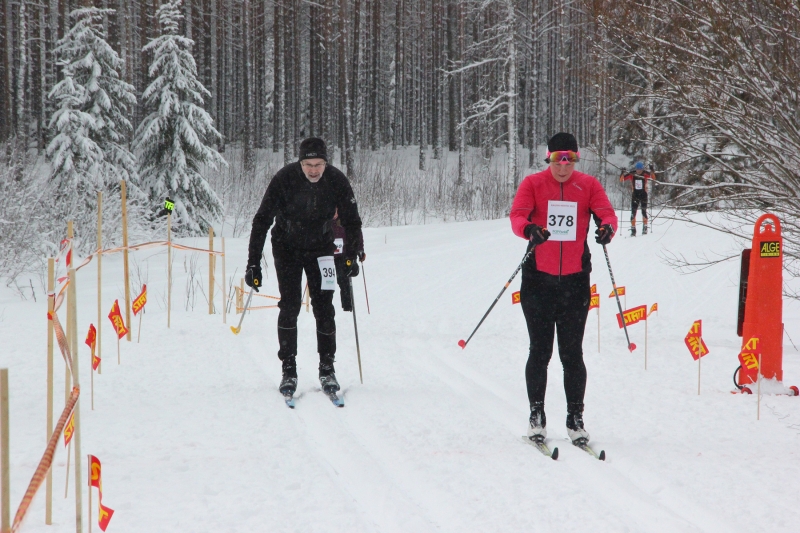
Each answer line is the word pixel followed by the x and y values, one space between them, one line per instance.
pixel 303 213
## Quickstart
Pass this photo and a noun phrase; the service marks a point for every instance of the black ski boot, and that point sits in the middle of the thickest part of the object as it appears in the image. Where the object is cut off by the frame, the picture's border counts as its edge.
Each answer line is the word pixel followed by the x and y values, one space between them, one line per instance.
pixel 633 231
pixel 289 382
pixel 327 376
pixel 577 433
pixel 644 229
pixel 537 423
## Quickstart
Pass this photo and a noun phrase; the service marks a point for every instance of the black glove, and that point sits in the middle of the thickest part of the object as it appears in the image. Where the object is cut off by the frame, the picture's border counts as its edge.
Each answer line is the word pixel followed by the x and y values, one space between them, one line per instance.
pixel 252 276
pixel 604 234
pixel 351 267
pixel 536 234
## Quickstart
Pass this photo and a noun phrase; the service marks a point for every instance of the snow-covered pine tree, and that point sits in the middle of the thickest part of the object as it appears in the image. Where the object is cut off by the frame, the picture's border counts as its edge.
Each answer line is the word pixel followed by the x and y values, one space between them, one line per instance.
pixel 88 152
pixel 171 140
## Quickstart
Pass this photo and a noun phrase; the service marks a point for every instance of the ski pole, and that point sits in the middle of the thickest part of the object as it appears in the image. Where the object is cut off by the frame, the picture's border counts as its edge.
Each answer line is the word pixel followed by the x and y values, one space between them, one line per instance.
pixel 364 273
pixel 238 328
pixel 355 325
pixel 631 346
pixel 463 343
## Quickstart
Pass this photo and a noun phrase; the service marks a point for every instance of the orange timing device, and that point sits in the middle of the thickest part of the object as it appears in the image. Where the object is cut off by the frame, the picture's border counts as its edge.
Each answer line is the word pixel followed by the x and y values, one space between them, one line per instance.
pixel 761 299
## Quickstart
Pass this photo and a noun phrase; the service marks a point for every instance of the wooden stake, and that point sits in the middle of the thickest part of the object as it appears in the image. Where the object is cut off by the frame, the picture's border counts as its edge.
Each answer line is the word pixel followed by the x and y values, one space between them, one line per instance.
pixel 698 374
pixel 645 340
pixel 89 479
pixel 91 371
pixel 51 300
pixel 5 458
pixel 66 478
pixel 67 377
pixel 99 283
pixel 598 329
pixel 758 409
pixel 169 267
pixel 125 257
pixel 119 362
pixel 210 271
pixel 224 287
pixel 72 292
pixel 240 297
pixel 139 331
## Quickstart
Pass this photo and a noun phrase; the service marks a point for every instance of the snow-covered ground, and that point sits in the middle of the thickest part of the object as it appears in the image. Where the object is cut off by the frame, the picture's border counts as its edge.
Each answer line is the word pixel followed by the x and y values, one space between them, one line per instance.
pixel 194 436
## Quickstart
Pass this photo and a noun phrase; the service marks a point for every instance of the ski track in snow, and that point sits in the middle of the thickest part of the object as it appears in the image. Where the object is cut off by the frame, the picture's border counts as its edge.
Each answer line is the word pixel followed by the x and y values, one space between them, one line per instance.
pixel 194 435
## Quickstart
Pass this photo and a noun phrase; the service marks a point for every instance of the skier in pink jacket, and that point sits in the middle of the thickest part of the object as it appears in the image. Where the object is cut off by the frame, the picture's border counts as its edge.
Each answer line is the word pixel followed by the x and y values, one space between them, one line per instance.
pixel 551 210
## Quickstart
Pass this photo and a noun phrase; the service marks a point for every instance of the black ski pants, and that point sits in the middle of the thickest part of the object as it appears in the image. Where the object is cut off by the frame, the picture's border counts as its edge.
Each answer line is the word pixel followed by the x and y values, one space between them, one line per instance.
pixel 636 200
pixel 555 304
pixel 289 266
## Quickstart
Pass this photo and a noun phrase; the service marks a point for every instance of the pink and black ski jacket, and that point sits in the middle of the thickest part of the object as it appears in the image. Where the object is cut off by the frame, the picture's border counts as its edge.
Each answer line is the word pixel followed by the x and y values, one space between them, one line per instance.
pixel 561 258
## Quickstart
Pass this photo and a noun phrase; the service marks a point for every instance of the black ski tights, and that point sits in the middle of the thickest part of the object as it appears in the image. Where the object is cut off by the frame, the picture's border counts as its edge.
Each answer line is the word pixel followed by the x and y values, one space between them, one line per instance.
pixel 289 266
pixel 550 304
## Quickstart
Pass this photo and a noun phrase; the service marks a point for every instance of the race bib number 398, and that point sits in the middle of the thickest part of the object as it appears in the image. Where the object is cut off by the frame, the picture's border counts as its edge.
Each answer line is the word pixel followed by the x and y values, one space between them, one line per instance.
pixel 327 270
pixel 562 220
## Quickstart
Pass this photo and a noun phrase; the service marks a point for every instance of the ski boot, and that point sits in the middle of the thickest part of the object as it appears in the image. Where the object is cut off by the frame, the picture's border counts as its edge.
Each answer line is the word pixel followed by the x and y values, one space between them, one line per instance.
pixel 537 423
pixel 577 433
pixel 633 231
pixel 644 229
pixel 288 384
pixel 327 375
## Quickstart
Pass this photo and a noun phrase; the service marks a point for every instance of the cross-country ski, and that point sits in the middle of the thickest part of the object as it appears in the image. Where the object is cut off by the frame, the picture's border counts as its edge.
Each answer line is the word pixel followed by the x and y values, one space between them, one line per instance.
pixel 540 444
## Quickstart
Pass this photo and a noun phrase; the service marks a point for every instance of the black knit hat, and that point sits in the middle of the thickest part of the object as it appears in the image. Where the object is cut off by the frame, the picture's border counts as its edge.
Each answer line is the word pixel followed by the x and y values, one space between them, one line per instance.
pixel 313 148
pixel 562 141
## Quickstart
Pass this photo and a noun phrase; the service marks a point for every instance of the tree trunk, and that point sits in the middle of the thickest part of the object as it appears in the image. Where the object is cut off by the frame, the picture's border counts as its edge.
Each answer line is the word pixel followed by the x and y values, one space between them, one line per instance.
pixel 399 63
pixel 376 110
pixel 249 152
pixel 22 118
pixel 512 174
pixel 343 83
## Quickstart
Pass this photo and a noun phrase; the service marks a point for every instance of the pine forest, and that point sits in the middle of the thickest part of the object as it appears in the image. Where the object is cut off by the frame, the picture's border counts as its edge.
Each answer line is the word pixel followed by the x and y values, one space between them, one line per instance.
pixel 435 109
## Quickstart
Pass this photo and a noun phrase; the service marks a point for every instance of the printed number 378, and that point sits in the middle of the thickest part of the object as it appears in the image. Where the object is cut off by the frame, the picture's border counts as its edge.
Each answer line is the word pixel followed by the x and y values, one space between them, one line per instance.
pixel 558 220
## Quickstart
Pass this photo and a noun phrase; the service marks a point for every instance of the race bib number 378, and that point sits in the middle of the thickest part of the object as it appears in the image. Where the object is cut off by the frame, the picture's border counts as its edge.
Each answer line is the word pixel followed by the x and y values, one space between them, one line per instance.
pixel 562 220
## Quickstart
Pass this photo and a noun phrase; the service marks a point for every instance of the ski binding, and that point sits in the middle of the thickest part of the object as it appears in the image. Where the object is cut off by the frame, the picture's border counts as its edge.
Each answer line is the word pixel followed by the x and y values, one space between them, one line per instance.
pixel 334 398
pixel 538 443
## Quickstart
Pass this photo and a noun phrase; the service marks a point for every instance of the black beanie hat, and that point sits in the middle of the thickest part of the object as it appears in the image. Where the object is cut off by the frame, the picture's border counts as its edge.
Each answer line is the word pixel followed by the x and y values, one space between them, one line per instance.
pixel 313 148
pixel 562 141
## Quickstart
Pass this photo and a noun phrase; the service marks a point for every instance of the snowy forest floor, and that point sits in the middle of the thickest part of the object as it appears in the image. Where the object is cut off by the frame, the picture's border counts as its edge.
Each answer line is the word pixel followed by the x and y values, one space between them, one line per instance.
pixel 194 436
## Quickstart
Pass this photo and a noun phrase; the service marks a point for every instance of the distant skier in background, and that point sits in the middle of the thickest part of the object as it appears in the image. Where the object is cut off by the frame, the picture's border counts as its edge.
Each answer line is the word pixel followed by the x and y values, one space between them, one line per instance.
pixel 302 199
pixel 551 210
pixel 638 179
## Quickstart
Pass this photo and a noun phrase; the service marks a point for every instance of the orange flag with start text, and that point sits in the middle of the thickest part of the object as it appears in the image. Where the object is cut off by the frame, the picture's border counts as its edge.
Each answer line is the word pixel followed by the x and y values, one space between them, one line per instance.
pixel 95 480
pixel 748 357
pixel 694 340
pixel 116 319
pixel 138 303
pixel 69 429
pixel 91 342
pixel 632 316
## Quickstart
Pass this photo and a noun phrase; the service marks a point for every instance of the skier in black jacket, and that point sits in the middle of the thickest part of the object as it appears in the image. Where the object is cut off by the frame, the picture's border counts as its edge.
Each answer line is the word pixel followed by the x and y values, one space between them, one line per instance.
pixel 302 199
